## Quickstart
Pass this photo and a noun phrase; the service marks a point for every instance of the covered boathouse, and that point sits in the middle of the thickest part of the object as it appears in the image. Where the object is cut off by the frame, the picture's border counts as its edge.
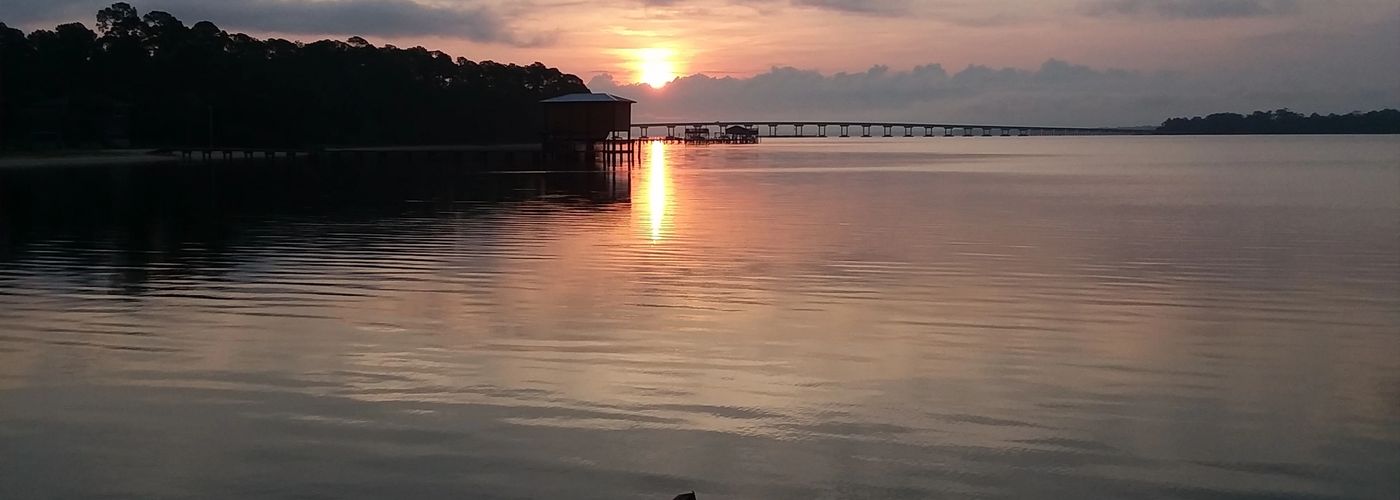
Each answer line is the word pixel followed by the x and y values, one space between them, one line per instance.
pixel 588 125
pixel 587 116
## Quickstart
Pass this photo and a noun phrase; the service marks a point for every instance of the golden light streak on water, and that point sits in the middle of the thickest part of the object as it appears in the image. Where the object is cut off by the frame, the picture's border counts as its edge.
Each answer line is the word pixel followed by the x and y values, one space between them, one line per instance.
pixel 656 188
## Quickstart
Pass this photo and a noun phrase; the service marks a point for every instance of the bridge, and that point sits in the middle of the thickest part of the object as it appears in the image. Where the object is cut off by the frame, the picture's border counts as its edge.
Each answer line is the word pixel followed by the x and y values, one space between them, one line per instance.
pixel 882 129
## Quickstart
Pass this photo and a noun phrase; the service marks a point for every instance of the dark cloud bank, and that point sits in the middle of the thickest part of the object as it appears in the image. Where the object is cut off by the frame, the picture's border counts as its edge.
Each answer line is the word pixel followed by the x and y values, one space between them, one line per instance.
pixel 1057 93
pixel 1192 9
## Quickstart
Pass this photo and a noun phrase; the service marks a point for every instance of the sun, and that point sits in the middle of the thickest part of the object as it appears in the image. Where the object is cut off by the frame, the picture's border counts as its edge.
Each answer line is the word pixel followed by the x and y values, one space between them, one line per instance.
pixel 656 66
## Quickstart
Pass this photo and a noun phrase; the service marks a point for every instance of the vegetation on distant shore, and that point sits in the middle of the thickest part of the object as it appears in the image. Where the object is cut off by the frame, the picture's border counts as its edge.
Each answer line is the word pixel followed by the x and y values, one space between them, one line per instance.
pixel 1283 121
pixel 151 81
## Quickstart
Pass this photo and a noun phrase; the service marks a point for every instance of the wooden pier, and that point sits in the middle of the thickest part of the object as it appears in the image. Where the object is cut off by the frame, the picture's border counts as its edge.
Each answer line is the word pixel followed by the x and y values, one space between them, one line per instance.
pixel 600 170
pixel 700 135
pixel 507 157
pixel 702 141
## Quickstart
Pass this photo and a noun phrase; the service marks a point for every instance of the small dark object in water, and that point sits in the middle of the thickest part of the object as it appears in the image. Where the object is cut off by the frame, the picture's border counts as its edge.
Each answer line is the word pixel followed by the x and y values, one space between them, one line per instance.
pixel 685 496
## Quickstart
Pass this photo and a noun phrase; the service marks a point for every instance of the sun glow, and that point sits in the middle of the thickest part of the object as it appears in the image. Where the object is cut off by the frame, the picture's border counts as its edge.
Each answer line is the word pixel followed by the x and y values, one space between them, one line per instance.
pixel 656 66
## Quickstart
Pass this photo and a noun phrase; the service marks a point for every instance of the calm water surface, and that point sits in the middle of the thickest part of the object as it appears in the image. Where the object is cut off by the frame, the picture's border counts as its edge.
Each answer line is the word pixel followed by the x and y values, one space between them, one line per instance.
pixel 858 318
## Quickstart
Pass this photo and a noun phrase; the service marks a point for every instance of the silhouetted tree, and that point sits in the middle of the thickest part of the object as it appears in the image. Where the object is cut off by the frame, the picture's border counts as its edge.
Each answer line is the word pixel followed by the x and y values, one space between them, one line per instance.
pixel 119 21
pixel 150 80
pixel 1284 121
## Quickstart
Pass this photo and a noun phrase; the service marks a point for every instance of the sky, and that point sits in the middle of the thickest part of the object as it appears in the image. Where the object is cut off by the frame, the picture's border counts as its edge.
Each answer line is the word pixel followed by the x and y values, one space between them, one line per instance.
pixel 1032 62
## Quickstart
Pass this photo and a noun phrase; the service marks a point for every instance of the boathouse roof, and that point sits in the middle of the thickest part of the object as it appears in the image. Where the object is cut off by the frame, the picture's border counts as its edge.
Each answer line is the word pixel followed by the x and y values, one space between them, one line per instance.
pixel 589 97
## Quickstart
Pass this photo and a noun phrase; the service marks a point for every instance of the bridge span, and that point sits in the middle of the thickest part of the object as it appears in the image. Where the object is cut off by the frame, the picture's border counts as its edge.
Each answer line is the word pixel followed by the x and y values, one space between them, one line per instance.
pixel 879 128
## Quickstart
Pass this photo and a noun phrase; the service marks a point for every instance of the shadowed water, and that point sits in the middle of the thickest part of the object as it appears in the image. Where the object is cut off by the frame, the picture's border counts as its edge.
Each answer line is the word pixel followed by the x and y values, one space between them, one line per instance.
pixel 1045 317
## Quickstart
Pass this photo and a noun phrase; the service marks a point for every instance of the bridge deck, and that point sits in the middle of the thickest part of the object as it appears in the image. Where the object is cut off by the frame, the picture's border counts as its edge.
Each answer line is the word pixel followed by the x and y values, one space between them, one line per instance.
pixel 887 128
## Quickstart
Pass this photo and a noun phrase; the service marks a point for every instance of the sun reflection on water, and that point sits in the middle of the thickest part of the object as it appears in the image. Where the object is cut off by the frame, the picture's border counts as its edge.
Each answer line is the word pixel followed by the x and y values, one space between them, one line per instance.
pixel 656 188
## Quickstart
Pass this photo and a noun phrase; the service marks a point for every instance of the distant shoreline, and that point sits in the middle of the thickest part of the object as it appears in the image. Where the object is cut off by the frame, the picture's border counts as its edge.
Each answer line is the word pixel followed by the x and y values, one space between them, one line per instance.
pixel 1285 122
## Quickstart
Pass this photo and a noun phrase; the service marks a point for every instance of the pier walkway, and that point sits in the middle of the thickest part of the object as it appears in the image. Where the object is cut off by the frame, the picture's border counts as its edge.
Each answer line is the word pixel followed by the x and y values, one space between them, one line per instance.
pixel 502 156
pixel 777 129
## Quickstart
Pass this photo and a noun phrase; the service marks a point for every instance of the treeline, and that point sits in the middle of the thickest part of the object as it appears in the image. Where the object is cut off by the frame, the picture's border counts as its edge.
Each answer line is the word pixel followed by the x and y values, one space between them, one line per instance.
pixel 151 81
pixel 1283 121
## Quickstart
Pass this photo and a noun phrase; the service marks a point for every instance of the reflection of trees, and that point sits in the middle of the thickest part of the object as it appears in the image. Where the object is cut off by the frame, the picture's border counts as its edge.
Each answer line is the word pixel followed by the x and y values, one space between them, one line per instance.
pixel 120 244
pixel 1284 121
pixel 154 81
pixel 124 217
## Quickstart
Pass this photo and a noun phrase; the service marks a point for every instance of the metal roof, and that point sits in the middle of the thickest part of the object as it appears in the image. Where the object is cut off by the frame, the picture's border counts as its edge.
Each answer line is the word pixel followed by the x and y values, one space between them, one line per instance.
pixel 587 97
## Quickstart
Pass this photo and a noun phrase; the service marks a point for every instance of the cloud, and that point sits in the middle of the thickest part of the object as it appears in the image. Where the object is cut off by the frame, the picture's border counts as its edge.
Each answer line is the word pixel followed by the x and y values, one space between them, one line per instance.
pixel 386 18
pixel 1192 9
pixel 1057 93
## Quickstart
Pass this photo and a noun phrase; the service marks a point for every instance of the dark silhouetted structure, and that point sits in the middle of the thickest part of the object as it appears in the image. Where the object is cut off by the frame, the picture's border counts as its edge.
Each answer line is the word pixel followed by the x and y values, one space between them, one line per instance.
pixel 697 133
pixel 740 134
pixel 587 117
pixel 589 127
pixel 740 131
pixel 701 134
